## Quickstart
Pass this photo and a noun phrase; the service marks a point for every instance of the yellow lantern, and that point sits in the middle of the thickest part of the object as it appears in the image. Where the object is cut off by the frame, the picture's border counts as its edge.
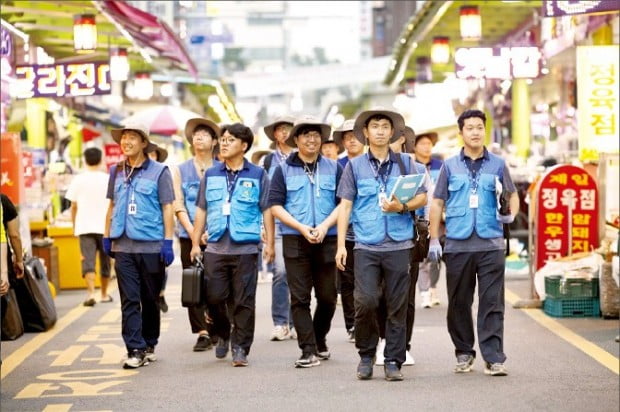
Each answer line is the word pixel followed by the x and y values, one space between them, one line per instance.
pixel 143 85
pixel 471 23
pixel 84 33
pixel 119 64
pixel 440 50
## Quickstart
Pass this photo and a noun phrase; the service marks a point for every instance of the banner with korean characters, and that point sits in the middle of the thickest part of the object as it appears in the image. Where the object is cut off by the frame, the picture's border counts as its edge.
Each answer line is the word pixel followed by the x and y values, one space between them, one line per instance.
pixel 566 214
pixel 598 101
pixel 113 155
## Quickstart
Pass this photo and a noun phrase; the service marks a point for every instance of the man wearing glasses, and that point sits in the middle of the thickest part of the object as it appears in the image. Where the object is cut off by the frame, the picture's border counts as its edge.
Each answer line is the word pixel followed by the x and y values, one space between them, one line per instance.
pixel 232 200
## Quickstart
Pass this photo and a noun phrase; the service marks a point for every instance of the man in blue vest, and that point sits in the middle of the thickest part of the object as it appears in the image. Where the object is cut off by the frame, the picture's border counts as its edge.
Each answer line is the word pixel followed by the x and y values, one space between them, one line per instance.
pixel 428 270
pixel 202 135
pixel 303 198
pixel 138 233
pixel 466 187
pixel 232 199
pixel 278 132
pixel 383 242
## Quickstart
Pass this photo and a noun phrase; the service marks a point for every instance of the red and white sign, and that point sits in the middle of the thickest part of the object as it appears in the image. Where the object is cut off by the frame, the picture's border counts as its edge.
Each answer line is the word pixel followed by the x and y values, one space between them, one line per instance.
pixel 566 214
pixel 113 155
pixel 11 170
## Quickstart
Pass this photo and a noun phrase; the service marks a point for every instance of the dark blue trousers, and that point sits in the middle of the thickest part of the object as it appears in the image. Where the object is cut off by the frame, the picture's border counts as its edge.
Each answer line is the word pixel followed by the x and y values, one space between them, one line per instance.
pixel 140 277
pixel 372 270
pixel 461 272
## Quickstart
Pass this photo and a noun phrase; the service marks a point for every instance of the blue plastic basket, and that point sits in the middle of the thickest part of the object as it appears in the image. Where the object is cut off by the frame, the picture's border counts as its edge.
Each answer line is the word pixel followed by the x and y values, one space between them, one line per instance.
pixel 572 308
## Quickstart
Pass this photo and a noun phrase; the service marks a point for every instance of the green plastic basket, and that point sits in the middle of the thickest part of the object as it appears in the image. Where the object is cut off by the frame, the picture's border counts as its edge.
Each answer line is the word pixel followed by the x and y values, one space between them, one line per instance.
pixel 559 288
pixel 572 308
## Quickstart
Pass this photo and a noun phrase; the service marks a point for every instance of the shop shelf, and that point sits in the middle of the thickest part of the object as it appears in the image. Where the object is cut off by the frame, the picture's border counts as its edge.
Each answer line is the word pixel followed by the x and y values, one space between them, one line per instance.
pixel 572 308
pixel 561 288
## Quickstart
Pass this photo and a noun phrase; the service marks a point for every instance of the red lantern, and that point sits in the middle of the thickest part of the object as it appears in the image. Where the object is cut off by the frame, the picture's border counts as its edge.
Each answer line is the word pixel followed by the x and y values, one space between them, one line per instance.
pixel 440 50
pixel 471 23
pixel 84 32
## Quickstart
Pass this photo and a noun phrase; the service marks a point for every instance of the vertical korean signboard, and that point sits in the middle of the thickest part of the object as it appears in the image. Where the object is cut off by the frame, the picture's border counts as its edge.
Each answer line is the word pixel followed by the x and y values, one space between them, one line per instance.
pixel 113 155
pixel 566 214
pixel 597 85
pixel 11 170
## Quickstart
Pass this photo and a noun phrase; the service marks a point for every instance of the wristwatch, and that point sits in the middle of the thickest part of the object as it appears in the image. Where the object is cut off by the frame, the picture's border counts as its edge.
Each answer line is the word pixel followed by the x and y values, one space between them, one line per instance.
pixel 405 209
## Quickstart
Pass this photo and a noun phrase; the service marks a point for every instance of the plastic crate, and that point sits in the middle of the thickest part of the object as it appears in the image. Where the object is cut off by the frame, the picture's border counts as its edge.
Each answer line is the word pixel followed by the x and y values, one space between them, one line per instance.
pixel 572 308
pixel 560 288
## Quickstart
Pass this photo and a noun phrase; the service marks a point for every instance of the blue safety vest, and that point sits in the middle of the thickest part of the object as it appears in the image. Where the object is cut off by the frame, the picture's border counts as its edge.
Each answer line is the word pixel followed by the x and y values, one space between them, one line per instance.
pixel 370 225
pixel 310 203
pixel 190 184
pixel 461 219
pixel 145 221
pixel 245 218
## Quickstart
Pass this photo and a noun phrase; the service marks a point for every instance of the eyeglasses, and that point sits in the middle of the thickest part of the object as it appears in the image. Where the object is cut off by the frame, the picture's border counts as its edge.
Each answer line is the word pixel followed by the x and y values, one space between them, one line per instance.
pixel 312 135
pixel 227 140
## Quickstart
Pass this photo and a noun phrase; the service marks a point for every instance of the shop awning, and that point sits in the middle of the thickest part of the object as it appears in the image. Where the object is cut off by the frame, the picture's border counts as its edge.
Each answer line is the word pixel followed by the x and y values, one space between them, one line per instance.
pixel 441 18
pixel 50 26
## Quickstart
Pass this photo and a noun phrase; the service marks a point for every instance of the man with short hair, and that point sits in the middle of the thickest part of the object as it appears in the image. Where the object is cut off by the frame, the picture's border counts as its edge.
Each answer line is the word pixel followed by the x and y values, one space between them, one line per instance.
pixel 278 132
pixel 232 199
pixel 303 197
pixel 202 135
pixel 330 149
pixel 474 247
pixel 138 234
pixel 383 229
pixel 87 193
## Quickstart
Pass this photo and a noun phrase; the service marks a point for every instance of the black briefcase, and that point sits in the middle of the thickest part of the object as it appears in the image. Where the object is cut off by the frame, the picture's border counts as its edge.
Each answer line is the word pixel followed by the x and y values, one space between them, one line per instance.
pixel 192 283
pixel 35 299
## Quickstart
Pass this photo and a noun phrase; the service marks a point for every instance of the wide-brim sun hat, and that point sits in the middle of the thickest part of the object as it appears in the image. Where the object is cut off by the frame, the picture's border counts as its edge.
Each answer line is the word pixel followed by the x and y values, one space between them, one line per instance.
pixel 256 156
pixel 271 127
pixel 433 136
pixel 338 133
pixel 308 120
pixel 191 125
pixel 140 128
pixel 398 123
pixel 162 154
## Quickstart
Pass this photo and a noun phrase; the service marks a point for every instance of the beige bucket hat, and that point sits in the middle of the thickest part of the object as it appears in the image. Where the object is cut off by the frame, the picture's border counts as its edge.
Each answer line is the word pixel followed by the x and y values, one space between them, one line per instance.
pixel 140 128
pixel 191 125
pixel 270 128
pixel 308 120
pixel 410 139
pixel 398 122
pixel 430 135
pixel 162 154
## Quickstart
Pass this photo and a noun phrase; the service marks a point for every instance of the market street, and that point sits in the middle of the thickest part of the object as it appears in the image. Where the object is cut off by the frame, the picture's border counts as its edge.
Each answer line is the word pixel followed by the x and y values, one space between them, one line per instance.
pixel 76 366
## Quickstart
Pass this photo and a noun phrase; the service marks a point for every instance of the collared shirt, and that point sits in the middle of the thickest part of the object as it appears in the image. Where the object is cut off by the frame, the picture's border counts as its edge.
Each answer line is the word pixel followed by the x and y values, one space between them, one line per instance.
pixel 226 246
pixel 277 190
pixel 165 192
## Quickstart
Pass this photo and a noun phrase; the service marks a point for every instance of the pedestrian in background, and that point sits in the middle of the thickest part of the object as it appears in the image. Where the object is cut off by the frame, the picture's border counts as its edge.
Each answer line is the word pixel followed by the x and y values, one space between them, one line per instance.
pixel 278 132
pixel 330 149
pixel 344 136
pixel 303 198
pixel 87 193
pixel 202 135
pixel 383 242
pixel 428 270
pixel 232 199
pixel 474 248
pixel 138 234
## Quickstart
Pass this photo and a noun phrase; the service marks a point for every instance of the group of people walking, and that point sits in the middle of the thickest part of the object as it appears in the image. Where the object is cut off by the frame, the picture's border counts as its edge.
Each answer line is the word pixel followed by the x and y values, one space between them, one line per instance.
pixel 323 225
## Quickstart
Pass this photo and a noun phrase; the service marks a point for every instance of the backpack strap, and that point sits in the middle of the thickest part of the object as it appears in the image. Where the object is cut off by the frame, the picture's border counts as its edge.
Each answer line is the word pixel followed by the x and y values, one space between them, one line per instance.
pixel 267 162
pixel 401 164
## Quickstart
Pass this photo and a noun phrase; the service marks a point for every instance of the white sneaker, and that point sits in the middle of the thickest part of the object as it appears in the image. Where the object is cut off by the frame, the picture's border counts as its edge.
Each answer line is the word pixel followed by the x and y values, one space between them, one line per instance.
pixel 434 298
pixel 280 333
pixel 380 359
pixel 408 359
pixel 292 334
pixel 426 299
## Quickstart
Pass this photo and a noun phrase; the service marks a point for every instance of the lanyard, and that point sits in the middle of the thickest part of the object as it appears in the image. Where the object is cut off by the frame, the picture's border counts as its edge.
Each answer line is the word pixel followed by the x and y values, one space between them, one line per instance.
pixel 128 181
pixel 230 185
pixel 381 178
pixel 315 172
pixel 281 156
pixel 474 179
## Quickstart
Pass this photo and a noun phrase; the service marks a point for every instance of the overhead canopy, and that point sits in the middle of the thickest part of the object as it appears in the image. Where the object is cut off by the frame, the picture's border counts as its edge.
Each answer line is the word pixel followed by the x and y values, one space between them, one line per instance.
pixel 441 18
pixel 50 26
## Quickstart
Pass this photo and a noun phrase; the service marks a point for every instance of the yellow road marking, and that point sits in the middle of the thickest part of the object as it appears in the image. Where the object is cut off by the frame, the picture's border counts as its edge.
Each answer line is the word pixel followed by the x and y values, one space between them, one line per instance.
pixel 595 352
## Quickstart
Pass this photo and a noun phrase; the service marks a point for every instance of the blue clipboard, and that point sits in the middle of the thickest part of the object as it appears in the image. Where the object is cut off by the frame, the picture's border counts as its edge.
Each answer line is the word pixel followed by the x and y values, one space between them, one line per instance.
pixel 406 188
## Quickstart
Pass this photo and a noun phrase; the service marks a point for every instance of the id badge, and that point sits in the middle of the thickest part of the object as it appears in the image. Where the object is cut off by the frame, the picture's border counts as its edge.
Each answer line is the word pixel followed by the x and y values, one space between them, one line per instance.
pixel 132 209
pixel 473 201
pixel 382 197
pixel 226 209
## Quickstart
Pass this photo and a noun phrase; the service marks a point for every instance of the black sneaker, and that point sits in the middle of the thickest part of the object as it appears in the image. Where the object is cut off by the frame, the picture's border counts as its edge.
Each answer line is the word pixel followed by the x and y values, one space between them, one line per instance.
pixel 392 372
pixel 364 368
pixel 322 351
pixel 135 359
pixel 149 354
pixel 162 304
pixel 307 360
pixel 464 363
pixel 351 334
pixel 221 349
pixel 203 343
pixel 239 357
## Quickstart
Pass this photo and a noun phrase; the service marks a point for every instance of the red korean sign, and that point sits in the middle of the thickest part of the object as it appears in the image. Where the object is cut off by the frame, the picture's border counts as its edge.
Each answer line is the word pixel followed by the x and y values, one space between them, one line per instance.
pixel 566 214
pixel 113 155
pixel 11 170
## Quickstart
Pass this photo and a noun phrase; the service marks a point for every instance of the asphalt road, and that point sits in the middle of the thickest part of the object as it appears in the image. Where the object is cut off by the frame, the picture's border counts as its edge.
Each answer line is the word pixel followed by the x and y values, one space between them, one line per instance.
pixel 77 367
